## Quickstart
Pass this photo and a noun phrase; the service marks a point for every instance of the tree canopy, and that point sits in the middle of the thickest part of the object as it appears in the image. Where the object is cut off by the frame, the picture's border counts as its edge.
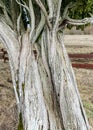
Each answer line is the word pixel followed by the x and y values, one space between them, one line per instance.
pixel 82 8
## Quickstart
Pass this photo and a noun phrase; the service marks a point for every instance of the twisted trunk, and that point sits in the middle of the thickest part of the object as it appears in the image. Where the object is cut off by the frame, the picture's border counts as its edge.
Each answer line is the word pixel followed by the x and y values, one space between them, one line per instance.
pixel 44 82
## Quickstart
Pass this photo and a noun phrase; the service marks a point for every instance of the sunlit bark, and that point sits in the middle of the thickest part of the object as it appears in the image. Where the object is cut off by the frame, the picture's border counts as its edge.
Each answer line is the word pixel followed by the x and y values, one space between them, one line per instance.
pixel 43 78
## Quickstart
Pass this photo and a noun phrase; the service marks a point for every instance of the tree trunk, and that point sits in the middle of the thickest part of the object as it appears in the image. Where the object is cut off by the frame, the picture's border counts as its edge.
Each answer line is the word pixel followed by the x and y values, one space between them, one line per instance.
pixel 44 82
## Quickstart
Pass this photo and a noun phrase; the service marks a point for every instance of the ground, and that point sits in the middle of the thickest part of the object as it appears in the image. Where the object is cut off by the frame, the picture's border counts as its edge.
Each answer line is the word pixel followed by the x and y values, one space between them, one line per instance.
pixel 84 77
pixel 8 111
pixel 83 44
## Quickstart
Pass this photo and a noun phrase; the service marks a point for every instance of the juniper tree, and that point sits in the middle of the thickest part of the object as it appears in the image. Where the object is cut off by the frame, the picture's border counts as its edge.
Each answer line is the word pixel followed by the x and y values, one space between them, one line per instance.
pixel 43 79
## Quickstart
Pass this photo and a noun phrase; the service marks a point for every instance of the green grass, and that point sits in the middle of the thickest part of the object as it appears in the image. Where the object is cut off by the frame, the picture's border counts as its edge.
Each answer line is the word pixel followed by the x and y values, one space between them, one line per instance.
pixel 89 109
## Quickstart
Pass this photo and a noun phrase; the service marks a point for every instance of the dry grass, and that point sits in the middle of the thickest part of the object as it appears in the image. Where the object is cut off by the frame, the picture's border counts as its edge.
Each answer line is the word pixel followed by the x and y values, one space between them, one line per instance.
pixel 84 77
pixel 8 113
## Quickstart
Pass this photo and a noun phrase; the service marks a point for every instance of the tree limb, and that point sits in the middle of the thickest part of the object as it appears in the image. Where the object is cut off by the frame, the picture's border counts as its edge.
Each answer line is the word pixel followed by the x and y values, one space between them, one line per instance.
pixel 58 15
pixel 8 18
pixel 1 4
pixel 9 39
pixel 18 23
pixel 39 3
pixel 50 5
pixel 30 11
pixel 79 22
pixel 65 13
pixel 39 28
pixel 5 11
pixel 32 15
pixel 74 22
pixel 23 5
pixel 63 21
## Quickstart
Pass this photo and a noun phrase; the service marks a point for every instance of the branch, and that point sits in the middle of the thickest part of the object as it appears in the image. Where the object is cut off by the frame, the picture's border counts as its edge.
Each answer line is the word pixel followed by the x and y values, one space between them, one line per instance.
pixel 30 11
pixel 32 15
pixel 39 28
pixel 63 21
pixel 18 23
pixel 79 22
pixel 5 11
pixel 50 5
pixel 44 54
pixel 7 17
pixel 9 39
pixel 1 4
pixel 58 15
pixel 23 5
pixel 75 22
pixel 91 14
pixel 69 6
pixel 39 3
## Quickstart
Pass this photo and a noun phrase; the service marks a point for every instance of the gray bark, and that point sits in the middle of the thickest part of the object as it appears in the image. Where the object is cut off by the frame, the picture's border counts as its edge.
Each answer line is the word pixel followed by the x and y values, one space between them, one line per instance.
pixel 43 78
pixel 44 83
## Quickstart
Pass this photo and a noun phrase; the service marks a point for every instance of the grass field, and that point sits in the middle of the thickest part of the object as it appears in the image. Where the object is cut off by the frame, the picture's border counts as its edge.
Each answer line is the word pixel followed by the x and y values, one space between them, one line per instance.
pixel 84 77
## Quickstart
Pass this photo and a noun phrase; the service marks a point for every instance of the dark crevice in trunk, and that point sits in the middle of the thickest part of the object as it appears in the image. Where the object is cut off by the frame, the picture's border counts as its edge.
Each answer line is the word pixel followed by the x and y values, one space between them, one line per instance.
pixel 83 115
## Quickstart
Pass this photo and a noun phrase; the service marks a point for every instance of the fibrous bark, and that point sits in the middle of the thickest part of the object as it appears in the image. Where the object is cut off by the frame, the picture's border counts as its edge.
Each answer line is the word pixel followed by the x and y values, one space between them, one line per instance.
pixel 43 78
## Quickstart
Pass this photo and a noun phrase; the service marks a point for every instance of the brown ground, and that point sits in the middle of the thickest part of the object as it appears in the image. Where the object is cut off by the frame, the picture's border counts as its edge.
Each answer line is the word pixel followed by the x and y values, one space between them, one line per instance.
pixel 8 114
pixel 84 77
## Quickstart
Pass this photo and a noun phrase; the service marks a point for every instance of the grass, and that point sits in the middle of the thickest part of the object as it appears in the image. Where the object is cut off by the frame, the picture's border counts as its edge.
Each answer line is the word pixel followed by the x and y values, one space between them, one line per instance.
pixel 89 109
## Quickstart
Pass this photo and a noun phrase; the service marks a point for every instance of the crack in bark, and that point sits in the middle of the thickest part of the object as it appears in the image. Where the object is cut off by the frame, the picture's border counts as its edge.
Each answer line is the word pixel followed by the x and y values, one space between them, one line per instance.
pixel 82 111
pixel 48 120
